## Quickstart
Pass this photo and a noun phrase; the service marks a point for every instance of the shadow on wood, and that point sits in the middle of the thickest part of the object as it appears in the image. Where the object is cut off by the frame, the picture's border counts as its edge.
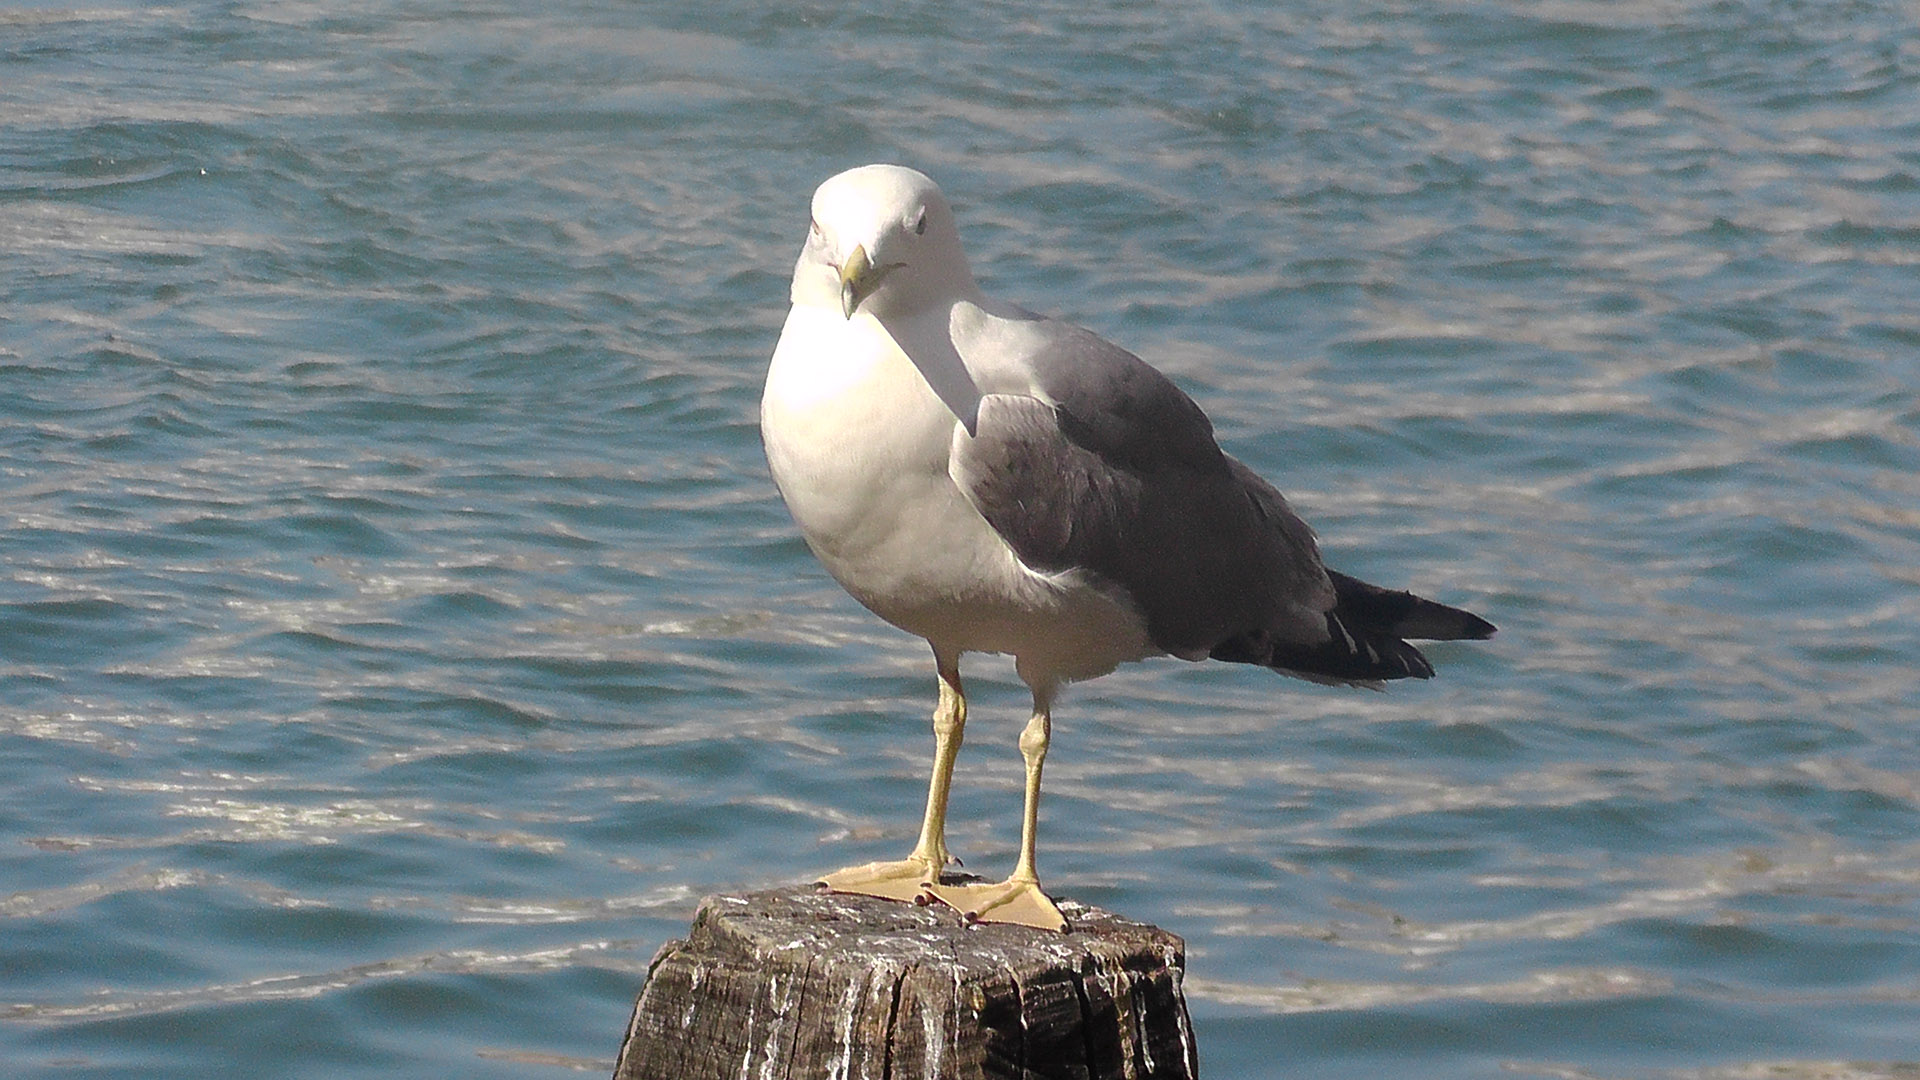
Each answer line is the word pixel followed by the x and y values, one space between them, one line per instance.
pixel 797 983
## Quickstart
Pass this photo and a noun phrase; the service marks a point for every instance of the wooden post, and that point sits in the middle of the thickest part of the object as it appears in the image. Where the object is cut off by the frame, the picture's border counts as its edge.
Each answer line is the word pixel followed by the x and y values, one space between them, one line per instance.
pixel 797 984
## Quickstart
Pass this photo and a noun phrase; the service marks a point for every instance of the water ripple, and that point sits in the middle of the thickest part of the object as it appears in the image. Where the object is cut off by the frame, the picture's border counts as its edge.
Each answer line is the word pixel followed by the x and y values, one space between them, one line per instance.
pixel 399 632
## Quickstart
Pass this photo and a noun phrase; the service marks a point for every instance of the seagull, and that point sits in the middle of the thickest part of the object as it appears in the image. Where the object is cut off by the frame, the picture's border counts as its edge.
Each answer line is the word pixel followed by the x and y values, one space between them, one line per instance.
pixel 996 481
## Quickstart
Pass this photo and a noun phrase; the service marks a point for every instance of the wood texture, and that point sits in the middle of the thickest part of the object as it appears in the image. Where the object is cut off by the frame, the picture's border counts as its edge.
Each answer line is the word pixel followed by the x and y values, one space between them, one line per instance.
pixel 795 983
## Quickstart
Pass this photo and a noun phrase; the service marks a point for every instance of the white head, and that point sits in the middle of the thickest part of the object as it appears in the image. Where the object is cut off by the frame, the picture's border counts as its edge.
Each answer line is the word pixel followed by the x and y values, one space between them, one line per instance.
pixel 883 242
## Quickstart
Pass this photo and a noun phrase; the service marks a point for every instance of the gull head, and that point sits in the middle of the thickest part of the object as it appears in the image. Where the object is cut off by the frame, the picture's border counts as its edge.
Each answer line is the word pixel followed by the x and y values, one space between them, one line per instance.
pixel 883 242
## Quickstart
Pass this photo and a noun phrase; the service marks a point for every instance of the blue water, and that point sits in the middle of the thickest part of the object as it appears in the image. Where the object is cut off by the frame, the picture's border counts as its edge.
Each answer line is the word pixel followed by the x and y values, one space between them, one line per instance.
pixel 399 632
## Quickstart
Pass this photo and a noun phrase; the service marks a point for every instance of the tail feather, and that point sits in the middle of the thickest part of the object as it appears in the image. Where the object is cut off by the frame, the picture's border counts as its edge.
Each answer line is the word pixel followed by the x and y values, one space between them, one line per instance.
pixel 1402 614
pixel 1365 643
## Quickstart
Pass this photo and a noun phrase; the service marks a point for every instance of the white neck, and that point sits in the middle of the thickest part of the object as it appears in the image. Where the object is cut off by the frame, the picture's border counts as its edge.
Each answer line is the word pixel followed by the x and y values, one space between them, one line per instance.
pixel 927 338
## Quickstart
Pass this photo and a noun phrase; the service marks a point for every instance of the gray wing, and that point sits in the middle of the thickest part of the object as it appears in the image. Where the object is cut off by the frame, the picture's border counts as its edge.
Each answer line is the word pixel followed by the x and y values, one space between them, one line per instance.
pixel 1122 478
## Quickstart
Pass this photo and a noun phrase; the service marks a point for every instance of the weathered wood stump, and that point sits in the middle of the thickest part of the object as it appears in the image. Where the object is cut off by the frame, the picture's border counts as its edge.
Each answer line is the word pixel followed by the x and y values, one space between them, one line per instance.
pixel 798 984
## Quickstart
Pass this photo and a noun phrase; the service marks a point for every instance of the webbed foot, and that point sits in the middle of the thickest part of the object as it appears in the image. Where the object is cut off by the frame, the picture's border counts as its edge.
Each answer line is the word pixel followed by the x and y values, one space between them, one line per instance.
pixel 1015 901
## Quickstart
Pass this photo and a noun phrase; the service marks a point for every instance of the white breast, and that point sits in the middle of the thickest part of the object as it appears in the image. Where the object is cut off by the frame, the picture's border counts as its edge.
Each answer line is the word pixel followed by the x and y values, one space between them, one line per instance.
pixel 859 447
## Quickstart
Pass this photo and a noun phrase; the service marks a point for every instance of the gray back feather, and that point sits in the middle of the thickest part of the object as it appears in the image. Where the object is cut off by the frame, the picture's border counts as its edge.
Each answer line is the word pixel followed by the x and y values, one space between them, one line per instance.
pixel 1123 479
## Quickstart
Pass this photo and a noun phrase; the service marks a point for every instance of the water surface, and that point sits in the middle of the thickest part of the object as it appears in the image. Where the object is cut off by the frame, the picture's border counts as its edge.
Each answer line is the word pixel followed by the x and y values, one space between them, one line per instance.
pixel 399 632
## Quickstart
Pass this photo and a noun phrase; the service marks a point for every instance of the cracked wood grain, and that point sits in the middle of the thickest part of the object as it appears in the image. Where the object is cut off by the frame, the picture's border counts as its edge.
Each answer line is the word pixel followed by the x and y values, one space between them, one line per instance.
pixel 796 984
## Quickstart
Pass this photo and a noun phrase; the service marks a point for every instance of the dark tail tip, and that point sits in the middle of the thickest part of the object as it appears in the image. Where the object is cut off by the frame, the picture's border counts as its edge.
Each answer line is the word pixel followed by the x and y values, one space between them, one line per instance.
pixel 1350 654
pixel 1472 627
pixel 1402 614
pixel 1366 637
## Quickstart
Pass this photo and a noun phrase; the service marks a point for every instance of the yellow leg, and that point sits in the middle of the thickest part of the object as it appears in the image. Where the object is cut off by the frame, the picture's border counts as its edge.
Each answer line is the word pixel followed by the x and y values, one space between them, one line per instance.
pixel 1018 899
pixel 909 878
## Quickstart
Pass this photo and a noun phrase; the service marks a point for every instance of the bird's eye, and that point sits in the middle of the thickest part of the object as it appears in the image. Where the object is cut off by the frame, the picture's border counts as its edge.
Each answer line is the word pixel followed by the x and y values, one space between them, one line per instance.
pixel 920 224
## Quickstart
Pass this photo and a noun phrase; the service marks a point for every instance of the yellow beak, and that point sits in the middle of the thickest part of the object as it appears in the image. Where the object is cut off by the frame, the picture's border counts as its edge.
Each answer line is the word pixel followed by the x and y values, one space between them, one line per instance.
pixel 857 279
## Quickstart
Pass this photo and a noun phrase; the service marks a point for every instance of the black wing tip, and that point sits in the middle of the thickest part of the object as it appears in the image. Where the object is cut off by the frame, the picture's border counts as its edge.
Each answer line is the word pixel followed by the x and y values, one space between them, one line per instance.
pixel 1366 641
pixel 1475 628
pixel 1348 655
pixel 1403 614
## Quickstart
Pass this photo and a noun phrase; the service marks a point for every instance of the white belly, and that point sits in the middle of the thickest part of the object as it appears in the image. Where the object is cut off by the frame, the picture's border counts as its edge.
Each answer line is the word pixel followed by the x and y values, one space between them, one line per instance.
pixel 859 447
